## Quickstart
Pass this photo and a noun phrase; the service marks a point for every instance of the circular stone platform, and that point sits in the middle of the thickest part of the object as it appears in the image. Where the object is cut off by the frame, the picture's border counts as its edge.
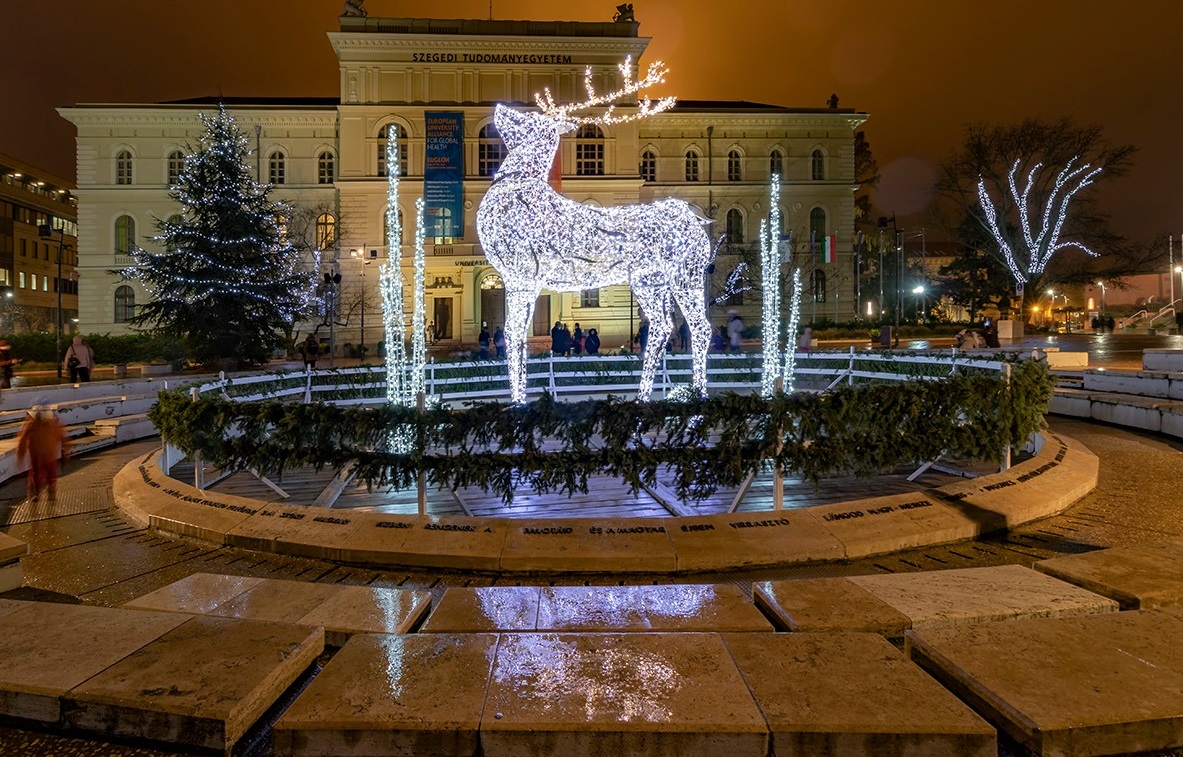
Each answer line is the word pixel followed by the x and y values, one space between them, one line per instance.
pixel 1060 473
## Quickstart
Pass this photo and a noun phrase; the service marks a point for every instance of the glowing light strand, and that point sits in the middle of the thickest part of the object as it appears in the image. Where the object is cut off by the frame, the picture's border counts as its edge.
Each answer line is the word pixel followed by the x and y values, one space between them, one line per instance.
pixel 790 374
pixel 646 107
pixel 538 239
pixel 1041 247
pixel 771 300
pixel 418 379
pixel 391 280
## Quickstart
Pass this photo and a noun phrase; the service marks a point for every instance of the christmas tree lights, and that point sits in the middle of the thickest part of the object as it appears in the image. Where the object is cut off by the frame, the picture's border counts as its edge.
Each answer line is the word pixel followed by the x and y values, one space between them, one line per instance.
pixel 418 311
pixel 1041 246
pixel 390 279
pixel 538 239
pixel 790 373
pixel 770 276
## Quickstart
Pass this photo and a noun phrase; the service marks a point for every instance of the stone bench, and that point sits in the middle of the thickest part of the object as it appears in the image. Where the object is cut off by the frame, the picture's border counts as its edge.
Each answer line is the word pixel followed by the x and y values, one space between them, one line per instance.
pixel 893 603
pixel 170 677
pixel 1100 684
pixel 1142 412
pixel 1162 360
pixel 588 695
pixel 11 552
pixel 1139 577
pixel 341 610
pixel 1144 383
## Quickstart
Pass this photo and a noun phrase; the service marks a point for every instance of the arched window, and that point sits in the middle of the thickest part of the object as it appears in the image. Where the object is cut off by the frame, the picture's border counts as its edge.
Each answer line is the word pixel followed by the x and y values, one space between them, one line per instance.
pixel 734 162
pixel 818 166
pixel 589 151
pixel 326 231
pixel 324 168
pixel 277 168
pixel 176 161
pixel 776 163
pixel 386 228
pixel 817 229
pixel 402 151
pixel 170 241
pixel 691 166
pixel 125 235
pixel 818 282
pixel 125 304
pixel 648 166
pixel 123 167
pixel 734 226
pixel 490 150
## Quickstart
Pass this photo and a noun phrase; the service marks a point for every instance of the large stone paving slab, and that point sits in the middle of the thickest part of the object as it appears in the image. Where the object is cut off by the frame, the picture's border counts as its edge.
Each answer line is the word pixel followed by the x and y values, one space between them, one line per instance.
pixel 366 609
pixel 485 609
pixel 47 649
pixel 851 695
pixel 828 604
pixel 198 594
pixel 590 695
pixel 1139 577
pixel 686 607
pixel 1103 684
pixel 202 684
pixel 393 695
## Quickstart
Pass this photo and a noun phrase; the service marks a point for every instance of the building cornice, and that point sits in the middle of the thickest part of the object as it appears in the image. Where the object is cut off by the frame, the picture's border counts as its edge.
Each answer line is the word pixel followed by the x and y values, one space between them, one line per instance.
pixel 186 116
pixel 374 48
pixel 700 120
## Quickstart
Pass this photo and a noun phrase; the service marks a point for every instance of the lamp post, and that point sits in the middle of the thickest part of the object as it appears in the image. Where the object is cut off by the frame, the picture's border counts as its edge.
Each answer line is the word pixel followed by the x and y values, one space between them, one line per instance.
pixel 332 281
pixel 361 257
pixel 45 232
pixel 919 292
pixel 1102 285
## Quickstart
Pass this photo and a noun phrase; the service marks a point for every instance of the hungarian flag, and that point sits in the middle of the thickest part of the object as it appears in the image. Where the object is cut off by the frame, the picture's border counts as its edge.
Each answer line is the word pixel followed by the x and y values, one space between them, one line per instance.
pixel 830 249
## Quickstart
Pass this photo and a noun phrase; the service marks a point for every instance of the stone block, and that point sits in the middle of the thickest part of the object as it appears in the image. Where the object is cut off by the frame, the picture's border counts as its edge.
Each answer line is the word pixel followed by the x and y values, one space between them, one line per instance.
pixel 588 695
pixel 197 594
pixel 1008 329
pixel 202 685
pixel 888 524
pixel 367 609
pixel 200 519
pixel 393 695
pixel 1172 418
pixel 11 605
pixel 47 649
pixel 277 601
pixel 1075 403
pixel 11 577
pixel 136 491
pixel 749 540
pixel 1128 410
pixel 314 532
pixel 586 545
pixel 485 609
pixel 1142 384
pixel 11 548
pixel 429 541
pixel 828 604
pixel 678 607
pixel 853 694
pixel 977 595
pixel 1162 360
pixel 1059 361
pixel 1139 577
pixel 1101 684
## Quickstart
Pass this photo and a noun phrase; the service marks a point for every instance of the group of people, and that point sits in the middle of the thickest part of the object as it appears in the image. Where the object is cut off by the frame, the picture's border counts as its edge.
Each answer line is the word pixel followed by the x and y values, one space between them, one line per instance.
pixel 726 337
pixel 1108 324
pixel 496 341
pixel 564 341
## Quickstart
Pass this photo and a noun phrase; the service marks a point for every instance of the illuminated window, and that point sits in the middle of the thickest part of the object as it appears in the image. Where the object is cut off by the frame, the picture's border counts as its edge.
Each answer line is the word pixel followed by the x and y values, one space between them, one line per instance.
pixel 589 151
pixel 490 151
pixel 125 235
pixel 326 231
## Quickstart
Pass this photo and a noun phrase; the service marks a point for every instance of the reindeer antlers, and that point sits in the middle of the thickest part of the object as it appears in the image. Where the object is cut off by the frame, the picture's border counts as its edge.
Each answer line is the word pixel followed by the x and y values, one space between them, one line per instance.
pixel 645 107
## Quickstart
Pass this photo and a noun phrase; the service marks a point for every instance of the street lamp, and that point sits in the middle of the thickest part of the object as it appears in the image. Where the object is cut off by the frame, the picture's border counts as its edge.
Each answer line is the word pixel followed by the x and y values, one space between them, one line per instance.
pixel 45 232
pixel 919 292
pixel 360 255
pixel 1102 285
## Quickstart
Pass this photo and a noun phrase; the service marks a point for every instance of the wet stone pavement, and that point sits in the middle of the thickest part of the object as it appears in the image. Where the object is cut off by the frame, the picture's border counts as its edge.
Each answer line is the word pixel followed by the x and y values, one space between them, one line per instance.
pixel 83 551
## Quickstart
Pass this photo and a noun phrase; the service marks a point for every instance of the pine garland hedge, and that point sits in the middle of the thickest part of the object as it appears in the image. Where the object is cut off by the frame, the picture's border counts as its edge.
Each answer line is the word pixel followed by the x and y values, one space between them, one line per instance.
pixel 556 446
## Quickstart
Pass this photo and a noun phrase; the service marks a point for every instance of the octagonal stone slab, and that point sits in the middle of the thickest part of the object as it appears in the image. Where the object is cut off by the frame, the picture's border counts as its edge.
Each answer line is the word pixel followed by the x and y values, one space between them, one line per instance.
pixel 274 600
pixel 682 607
pixel 197 594
pixel 853 694
pixel 393 695
pixel 365 609
pixel 589 695
pixel 1102 684
pixel 202 684
pixel 828 604
pixel 47 649
pixel 484 609
pixel 1139 577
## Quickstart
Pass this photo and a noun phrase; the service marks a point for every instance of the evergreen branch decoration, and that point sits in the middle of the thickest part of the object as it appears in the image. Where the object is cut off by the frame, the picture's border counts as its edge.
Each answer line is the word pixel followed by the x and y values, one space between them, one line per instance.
pixel 703 444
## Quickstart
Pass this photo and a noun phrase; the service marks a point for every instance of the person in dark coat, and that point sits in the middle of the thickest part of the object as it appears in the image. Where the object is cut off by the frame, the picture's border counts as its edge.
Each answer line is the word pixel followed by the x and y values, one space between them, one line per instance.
pixel 483 340
pixel 577 340
pixel 684 336
pixel 592 343
pixel 643 334
pixel 499 342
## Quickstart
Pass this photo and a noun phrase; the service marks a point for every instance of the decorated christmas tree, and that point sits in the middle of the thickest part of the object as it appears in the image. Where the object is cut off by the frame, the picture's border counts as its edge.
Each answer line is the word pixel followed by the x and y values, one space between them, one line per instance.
pixel 229 280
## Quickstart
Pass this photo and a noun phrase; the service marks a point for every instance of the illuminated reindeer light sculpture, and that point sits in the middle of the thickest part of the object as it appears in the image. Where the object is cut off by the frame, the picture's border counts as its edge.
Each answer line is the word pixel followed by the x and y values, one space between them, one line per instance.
pixel 538 239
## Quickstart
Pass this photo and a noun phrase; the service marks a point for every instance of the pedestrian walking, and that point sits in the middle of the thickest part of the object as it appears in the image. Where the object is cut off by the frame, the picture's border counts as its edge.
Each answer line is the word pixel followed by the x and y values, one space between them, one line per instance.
pixel 7 361
pixel 591 345
pixel 43 440
pixel 499 341
pixel 311 350
pixel 79 360
pixel 483 339
pixel 735 329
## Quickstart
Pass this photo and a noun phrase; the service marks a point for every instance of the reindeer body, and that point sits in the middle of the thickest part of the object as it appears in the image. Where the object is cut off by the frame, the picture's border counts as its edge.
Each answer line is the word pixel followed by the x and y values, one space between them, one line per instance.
pixel 538 239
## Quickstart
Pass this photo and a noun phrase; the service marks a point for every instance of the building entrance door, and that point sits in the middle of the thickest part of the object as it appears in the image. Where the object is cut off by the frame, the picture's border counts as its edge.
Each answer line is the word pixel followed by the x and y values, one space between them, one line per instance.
pixel 542 322
pixel 442 312
pixel 492 302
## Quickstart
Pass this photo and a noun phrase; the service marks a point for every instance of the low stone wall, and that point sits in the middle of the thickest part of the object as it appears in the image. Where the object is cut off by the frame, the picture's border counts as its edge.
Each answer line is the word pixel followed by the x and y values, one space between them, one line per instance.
pixel 1059 474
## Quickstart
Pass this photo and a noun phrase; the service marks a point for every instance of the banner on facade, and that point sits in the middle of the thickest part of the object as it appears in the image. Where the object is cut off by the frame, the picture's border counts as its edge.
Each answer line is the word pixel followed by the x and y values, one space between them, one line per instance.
pixel 443 175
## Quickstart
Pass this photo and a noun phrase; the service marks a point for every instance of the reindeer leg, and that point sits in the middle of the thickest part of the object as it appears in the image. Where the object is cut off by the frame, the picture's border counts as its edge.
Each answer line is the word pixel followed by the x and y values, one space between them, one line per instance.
pixel 691 301
pixel 656 304
pixel 519 314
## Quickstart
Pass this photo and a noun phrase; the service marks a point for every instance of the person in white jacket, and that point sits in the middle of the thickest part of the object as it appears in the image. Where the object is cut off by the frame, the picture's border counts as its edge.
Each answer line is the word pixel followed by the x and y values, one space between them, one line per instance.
pixel 79 360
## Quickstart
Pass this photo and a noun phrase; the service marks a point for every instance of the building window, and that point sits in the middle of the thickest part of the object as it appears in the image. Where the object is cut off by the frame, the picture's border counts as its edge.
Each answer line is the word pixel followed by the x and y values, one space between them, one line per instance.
pixel 734 226
pixel 817 229
pixel 818 282
pixel 326 231
pixel 490 151
pixel 402 152
pixel 776 163
pixel 125 235
pixel 125 304
pixel 692 166
pixel 818 166
pixel 733 166
pixel 123 173
pixel 25 248
pixel 21 279
pixel 589 298
pixel 176 161
pixel 589 151
pixel 648 166
pixel 277 168
pixel 33 281
pixel 324 168
pixel 45 284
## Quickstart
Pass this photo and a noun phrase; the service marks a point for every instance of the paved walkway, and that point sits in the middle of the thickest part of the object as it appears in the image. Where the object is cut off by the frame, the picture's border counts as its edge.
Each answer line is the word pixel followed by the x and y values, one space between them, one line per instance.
pixel 83 551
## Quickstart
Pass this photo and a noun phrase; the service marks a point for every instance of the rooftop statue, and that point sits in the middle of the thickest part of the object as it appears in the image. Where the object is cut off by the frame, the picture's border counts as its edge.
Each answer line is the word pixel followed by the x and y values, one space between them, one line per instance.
pixel 624 14
pixel 353 8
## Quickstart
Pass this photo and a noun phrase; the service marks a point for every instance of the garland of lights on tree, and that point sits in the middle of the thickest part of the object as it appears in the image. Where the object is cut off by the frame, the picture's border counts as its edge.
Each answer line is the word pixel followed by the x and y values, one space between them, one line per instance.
pixel 418 383
pixel 1043 245
pixel 391 281
pixel 538 239
pixel 770 264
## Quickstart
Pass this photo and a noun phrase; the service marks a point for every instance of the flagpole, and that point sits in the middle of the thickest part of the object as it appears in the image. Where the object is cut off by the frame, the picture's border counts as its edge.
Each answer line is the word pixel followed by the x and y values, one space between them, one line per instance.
pixel 1171 264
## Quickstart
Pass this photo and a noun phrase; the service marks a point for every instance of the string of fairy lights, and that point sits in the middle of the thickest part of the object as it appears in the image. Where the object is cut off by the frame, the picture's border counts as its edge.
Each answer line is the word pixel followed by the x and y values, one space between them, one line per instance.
pixel 390 279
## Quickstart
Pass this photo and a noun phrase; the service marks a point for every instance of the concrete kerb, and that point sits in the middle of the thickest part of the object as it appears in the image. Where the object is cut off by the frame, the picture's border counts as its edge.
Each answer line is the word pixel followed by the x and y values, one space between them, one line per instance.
pixel 1059 474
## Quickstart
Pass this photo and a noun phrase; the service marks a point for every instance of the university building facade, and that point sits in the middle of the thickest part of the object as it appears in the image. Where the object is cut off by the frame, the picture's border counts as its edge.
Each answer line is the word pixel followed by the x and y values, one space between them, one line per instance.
pixel 327 156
